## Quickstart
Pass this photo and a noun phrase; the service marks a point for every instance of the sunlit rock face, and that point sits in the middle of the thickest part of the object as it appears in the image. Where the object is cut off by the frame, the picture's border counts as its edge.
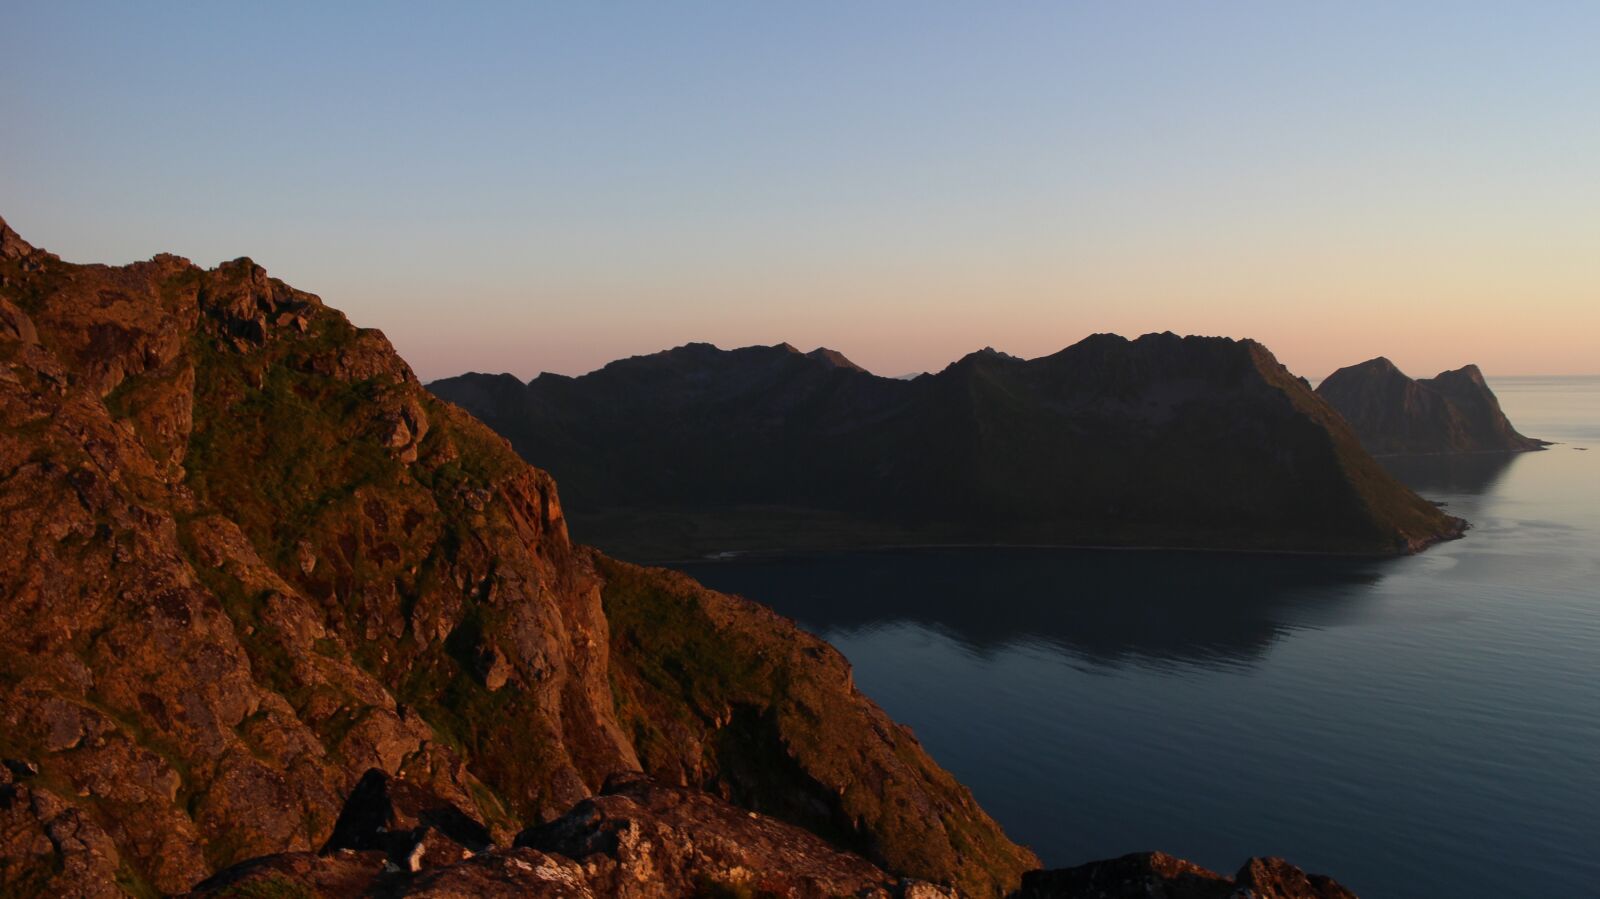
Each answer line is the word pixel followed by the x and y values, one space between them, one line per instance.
pixel 245 560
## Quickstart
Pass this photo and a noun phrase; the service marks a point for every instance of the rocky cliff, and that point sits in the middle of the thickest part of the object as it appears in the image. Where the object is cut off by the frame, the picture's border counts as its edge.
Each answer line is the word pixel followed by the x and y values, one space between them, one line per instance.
pixel 246 559
pixel 1159 441
pixel 1452 412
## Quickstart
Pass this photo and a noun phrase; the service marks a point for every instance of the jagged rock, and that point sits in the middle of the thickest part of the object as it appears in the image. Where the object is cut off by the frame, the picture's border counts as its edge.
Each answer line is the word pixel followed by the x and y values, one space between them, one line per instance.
pixel 12 246
pixel 408 429
pixel 642 839
pixel 49 846
pixel 15 324
pixel 306 557
pixel 1156 875
pixel 19 769
pixel 304 875
pixel 512 874
pixel 497 669
pixel 638 839
pixel 412 826
pixel 1274 878
pixel 1452 412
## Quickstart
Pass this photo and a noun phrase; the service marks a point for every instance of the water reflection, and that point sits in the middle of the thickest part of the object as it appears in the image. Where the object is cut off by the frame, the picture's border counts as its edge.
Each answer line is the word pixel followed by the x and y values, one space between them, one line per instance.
pixel 1104 607
pixel 1098 703
pixel 1461 473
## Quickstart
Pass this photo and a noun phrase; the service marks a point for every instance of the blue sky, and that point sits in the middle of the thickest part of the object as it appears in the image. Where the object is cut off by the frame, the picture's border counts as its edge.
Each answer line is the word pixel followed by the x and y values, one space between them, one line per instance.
pixel 525 188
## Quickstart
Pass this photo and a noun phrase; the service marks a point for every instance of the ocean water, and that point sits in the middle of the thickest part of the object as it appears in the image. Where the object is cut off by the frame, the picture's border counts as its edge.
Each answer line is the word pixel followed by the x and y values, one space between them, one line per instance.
pixel 1417 727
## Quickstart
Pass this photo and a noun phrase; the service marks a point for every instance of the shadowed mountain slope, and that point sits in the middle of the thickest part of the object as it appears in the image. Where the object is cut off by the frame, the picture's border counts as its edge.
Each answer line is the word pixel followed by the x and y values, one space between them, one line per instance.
pixel 1452 412
pixel 1163 440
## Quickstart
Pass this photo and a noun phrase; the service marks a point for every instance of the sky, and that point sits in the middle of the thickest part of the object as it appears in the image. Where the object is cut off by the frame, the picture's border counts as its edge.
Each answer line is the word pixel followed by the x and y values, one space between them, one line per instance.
pixel 547 187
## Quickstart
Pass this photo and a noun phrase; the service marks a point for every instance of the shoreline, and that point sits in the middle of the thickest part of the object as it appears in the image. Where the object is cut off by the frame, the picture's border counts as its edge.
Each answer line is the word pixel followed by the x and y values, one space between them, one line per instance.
pixel 784 552
pixel 1485 452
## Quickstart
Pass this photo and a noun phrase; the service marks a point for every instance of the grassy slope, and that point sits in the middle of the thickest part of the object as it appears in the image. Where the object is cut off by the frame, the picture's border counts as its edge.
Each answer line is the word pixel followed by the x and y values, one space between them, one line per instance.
pixel 720 692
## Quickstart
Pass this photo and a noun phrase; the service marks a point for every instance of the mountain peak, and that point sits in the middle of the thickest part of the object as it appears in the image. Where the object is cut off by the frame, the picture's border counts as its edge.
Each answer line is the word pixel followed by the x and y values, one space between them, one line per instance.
pixel 1452 412
pixel 1381 364
pixel 701 352
pixel 1469 373
pixel 987 353
pixel 833 358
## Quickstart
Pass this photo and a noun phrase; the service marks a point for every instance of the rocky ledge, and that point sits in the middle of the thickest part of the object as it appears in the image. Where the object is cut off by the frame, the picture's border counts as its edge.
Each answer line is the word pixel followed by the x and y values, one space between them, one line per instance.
pixel 636 839
pixel 639 839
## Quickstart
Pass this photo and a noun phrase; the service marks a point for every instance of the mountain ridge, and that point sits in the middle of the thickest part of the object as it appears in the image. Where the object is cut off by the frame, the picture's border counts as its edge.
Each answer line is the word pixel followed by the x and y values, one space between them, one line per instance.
pixel 1157 441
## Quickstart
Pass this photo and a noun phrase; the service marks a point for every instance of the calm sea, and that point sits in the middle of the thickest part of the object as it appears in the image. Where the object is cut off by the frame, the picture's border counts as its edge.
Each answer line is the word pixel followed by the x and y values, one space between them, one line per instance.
pixel 1418 727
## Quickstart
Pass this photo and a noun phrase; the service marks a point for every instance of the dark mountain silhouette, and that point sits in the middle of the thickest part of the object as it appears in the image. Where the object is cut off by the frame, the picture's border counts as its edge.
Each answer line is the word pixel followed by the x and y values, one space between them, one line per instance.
pixel 1392 413
pixel 1163 440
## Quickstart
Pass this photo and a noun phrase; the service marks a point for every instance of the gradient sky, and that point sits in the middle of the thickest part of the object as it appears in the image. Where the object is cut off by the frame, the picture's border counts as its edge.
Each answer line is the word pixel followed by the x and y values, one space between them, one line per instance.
pixel 511 188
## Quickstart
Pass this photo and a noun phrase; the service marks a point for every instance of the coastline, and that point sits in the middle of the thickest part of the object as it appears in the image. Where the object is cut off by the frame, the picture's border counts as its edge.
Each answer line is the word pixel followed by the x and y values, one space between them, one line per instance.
pixel 1446 454
pixel 792 551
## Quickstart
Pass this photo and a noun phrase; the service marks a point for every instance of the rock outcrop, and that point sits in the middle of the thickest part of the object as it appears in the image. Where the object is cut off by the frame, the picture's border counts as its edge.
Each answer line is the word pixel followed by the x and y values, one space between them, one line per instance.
pixel 640 839
pixel 1393 414
pixel 411 826
pixel 1159 441
pixel 245 559
pixel 1156 875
